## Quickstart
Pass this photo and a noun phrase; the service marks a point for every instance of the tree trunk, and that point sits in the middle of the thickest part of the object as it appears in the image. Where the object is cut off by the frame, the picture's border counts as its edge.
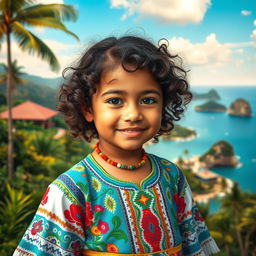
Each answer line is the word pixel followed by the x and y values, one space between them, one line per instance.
pixel 247 240
pixel 9 106
pixel 240 241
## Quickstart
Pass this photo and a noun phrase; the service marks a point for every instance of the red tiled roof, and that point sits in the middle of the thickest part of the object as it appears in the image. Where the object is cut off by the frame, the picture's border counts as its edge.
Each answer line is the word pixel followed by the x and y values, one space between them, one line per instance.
pixel 30 111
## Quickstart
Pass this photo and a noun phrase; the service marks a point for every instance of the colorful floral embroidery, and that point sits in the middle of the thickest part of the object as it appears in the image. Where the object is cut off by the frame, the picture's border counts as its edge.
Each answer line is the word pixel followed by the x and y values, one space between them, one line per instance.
pixel 78 168
pixel 45 196
pixel 165 162
pixel 74 214
pixel 76 247
pixel 103 227
pixel 112 248
pixel 98 208
pixel 95 231
pixel 88 214
pixel 96 184
pixel 198 216
pixel 37 227
pixel 180 202
pixel 110 203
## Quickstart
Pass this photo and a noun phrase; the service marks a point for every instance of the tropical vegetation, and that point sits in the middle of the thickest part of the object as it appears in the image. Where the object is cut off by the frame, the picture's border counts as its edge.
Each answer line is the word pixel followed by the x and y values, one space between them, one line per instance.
pixel 15 17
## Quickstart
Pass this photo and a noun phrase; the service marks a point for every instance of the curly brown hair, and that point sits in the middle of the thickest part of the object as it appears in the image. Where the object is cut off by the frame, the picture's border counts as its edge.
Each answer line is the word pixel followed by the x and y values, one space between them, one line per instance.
pixel 80 82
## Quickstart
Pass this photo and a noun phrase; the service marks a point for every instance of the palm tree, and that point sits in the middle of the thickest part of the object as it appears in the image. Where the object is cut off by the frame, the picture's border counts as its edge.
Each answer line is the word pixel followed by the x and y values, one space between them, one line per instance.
pixel 248 222
pixel 14 16
pixel 234 204
pixel 221 229
pixel 43 143
pixel 16 74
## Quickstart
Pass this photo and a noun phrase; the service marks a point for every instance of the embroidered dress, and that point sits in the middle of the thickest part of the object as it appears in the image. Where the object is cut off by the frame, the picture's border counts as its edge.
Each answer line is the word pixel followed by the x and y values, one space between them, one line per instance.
pixel 86 211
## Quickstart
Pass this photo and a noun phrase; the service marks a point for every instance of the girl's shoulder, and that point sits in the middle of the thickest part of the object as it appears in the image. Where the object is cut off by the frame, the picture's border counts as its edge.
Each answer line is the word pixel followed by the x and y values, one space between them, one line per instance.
pixel 77 173
pixel 166 166
pixel 73 182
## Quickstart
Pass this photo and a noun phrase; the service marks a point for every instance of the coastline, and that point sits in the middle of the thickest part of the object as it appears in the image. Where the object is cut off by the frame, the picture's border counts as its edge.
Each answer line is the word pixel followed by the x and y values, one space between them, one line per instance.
pixel 194 164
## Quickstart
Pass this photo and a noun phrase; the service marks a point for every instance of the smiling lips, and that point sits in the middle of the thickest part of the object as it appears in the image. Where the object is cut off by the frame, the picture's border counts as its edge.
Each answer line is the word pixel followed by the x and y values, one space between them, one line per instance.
pixel 132 131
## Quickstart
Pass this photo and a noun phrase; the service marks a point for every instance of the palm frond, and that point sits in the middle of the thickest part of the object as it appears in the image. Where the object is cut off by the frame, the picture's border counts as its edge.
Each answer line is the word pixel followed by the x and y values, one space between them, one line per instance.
pixel 14 5
pixel 49 22
pixel 2 29
pixel 16 73
pixel 31 43
pixel 58 11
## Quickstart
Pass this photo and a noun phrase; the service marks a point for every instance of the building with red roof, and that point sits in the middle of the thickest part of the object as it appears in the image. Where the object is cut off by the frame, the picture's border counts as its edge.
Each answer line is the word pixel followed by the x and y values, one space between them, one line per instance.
pixel 31 111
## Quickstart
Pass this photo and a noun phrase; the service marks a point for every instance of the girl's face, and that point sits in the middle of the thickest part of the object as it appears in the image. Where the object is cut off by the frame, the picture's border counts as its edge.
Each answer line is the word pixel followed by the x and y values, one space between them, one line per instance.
pixel 126 109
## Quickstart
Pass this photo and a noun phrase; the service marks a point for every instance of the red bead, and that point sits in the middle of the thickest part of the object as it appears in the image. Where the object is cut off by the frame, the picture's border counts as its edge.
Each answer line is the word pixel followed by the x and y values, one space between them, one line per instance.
pixel 122 166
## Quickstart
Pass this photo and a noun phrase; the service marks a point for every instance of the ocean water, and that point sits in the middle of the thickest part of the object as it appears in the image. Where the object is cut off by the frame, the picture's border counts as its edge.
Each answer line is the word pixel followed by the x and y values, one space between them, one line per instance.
pixel 240 132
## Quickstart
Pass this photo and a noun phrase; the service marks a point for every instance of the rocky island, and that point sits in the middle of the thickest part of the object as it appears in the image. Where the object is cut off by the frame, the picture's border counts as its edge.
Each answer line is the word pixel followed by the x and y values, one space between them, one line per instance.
pixel 206 184
pixel 211 95
pixel 240 107
pixel 179 133
pixel 220 154
pixel 211 106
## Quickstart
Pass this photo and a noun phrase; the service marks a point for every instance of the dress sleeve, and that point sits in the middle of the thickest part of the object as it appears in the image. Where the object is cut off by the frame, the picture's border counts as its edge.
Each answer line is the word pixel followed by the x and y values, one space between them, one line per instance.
pixel 196 239
pixel 57 227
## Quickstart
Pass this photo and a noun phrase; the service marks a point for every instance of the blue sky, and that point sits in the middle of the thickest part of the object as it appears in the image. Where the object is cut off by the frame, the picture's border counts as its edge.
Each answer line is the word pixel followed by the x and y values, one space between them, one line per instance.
pixel 216 38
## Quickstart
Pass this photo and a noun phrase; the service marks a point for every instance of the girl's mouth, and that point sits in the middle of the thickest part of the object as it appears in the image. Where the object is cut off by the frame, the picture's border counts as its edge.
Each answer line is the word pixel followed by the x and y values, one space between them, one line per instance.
pixel 132 132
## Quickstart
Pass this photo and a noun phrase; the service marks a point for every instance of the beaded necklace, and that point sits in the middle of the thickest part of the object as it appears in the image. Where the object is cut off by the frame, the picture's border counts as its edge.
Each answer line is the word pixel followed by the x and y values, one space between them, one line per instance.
pixel 122 166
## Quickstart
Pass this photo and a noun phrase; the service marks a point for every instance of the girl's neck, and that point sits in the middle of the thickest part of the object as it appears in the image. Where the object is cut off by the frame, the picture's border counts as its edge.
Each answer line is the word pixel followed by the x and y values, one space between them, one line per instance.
pixel 127 157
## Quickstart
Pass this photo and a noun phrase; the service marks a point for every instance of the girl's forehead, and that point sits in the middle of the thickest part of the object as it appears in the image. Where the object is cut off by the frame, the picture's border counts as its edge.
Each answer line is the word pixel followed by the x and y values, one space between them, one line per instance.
pixel 120 74
pixel 133 83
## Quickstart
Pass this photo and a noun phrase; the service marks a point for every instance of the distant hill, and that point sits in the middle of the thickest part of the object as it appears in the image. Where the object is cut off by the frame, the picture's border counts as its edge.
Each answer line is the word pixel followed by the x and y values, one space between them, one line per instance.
pixel 38 89
pixel 211 106
pixel 211 95
pixel 41 94
pixel 51 82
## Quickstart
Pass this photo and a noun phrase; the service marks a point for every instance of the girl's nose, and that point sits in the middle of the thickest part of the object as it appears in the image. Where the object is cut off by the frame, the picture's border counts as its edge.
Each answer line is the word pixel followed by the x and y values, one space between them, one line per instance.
pixel 132 113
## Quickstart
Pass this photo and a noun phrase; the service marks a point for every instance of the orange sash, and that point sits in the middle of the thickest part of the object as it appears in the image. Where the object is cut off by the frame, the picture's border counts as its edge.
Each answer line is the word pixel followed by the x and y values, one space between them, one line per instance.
pixel 174 251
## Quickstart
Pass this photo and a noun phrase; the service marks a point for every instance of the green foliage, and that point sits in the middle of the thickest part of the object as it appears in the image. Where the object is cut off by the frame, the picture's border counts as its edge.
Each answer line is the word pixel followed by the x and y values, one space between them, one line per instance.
pixel 196 185
pixel 3 133
pixel 28 126
pixel 43 143
pixel 18 102
pixel 211 106
pixel 3 100
pixel 59 122
pixel 179 131
pixel 14 210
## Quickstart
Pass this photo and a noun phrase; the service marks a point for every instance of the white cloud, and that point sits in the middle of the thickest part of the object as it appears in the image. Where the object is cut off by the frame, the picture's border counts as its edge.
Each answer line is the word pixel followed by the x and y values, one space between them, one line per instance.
pixel 214 63
pixel 253 35
pixel 210 52
pixel 35 65
pixel 232 75
pixel 239 62
pixel 246 12
pixel 240 51
pixel 167 11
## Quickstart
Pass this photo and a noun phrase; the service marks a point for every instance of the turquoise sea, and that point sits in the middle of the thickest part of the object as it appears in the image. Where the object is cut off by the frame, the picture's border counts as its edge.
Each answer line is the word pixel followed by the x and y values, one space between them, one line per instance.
pixel 240 132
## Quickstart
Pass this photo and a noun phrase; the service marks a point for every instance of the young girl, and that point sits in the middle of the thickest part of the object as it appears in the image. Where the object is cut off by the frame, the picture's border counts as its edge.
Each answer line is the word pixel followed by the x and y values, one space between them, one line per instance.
pixel 120 200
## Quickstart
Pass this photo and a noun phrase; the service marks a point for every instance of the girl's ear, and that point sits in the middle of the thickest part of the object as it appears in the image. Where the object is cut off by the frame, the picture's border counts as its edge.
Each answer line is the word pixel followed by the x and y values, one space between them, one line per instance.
pixel 88 114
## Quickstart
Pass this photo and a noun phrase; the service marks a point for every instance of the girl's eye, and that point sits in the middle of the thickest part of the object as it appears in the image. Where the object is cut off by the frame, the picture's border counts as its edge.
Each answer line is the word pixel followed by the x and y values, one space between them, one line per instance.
pixel 115 101
pixel 148 100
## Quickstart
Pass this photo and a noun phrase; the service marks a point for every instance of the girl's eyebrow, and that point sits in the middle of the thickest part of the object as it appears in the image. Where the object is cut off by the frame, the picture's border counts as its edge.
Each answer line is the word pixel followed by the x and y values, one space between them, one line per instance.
pixel 123 92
